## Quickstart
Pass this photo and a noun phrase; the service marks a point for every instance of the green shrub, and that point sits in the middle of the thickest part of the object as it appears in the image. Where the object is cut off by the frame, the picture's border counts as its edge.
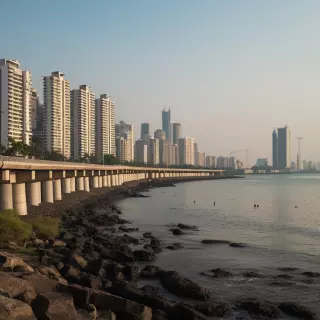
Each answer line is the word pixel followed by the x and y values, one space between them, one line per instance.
pixel 46 227
pixel 12 228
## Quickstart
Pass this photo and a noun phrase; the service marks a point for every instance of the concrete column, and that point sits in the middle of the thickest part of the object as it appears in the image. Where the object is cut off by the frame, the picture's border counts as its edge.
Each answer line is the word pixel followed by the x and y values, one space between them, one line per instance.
pixel 57 194
pixel 104 181
pixel 33 193
pixel 109 178
pixel 79 183
pixel 94 182
pixel 66 185
pixel 19 198
pixel 73 184
pixel 100 181
pixel 86 184
pixel 114 180
pixel 47 191
pixel 6 201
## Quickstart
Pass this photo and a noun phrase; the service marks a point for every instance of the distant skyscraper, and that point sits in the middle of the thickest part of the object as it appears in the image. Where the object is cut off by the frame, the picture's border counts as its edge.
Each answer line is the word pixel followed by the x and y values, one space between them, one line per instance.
pixel 186 151
pixel 37 118
pixel 153 152
pixel 141 152
pixel 176 133
pixel 56 95
pixel 123 149
pixel 284 148
pixel 125 131
pixel 83 122
pixel 275 150
pixel 201 159
pixel 196 154
pixel 209 161
pixel 166 123
pixel 232 162
pixel 173 154
pixel 160 134
pixel 145 131
pixel 105 127
pixel 15 102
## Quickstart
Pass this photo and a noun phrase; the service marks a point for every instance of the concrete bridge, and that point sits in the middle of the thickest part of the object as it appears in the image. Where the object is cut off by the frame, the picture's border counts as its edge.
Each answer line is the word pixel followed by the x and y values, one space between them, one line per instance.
pixel 27 181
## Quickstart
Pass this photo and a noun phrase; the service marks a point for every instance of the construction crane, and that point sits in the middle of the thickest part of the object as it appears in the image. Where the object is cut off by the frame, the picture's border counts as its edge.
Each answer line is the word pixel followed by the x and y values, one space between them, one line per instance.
pixel 298 154
pixel 247 155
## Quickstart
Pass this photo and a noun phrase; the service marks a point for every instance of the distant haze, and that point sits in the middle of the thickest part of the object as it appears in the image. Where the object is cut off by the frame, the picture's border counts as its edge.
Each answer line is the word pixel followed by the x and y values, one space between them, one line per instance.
pixel 230 70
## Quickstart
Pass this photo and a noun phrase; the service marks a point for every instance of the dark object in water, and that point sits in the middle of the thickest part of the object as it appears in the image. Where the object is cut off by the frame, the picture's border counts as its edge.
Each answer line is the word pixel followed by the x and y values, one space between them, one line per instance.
pixel 254 205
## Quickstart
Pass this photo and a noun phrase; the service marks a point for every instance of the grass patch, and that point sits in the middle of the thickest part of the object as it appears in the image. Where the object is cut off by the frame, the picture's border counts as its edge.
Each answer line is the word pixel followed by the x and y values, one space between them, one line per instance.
pixel 12 228
pixel 45 227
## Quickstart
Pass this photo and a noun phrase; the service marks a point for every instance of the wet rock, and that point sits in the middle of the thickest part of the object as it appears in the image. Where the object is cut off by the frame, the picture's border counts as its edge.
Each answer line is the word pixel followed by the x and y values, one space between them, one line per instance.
pixel 220 273
pixel 131 272
pixel 252 274
pixel 148 235
pixel 215 308
pixel 152 290
pixel 54 306
pixel 176 232
pixel 155 242
pixel 284 276
pixel 183 287
pixel 209 241
pixel 11 309
pixel 150 271
pixel 159 315
pixel 186 226
pixel 126 229
pixel 311 274
pixel 71 274
pixel 260 308
pixel 287 269
pixel 175 246
pixel 237 245
pixel 297 310
pixel 97 267
pixel 185 311
pixel 281 283
pixel 90 281
pixel 10 262
pixel 144 255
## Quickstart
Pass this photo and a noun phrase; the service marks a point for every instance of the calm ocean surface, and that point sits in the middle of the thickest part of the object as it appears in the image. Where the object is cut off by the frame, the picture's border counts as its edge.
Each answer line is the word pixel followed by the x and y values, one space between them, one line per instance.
pixel 277 234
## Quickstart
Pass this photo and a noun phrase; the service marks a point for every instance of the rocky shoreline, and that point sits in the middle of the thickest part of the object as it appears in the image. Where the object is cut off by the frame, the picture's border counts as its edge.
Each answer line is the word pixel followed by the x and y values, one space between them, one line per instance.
pixel 92 271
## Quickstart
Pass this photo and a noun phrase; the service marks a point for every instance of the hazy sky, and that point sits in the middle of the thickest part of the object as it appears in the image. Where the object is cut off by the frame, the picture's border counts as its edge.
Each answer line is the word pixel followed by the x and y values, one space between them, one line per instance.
pixel 231 70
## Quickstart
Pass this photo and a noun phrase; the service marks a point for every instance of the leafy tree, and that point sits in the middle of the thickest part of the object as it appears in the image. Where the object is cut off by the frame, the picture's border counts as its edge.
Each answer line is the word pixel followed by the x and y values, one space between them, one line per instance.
pixel 110 159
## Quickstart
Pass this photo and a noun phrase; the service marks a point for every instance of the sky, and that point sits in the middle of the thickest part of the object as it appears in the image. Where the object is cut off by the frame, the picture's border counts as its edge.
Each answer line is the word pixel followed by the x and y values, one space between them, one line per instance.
pixel 231 70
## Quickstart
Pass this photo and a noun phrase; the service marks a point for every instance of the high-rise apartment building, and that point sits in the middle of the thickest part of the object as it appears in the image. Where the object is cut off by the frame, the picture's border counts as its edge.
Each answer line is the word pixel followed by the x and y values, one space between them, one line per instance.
pixel 214 162
pixel 222 162
pixel 37 118
pixel 166 123
pixel 173 154
pixel 153 152
pixel 141 152
pixel 164 152
pixel 56 95
pixel 196 154
pixel 209 161
pixel 201 159
pixel 125 131
pixel 83 126
pixel 284 148
pixel 275 149
pixel 160 134
pixel 15 102
pixel 105 127
pixel 232 162
pixel 145 131
pixel 176 133
pixel 122 149
pixel 186 151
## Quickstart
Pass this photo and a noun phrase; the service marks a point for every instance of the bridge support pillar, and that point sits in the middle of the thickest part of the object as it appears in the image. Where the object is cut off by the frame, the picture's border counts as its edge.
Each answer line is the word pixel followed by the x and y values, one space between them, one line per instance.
pixel 94 182
pixel 6 196
pixel 47 191
pixel 19 198
pixel 86 184
pixel 57 195
pixel 73 184
pixel 104 181
pixel 33 193
pixel 100 181
pixel 66 185
pixel 79 183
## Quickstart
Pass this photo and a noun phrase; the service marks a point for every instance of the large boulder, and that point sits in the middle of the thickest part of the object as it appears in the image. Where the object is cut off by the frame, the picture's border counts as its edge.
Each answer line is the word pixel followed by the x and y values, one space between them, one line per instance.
pixel 297 310
pixel 144 255
pixel 11 263
pixel 150 271
pixel 54 306
pixel 39 283
pixel 215 309
pixel 14 286
pixel 183 287
pixel 260 308
pixel 11 309
pixel 176 231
